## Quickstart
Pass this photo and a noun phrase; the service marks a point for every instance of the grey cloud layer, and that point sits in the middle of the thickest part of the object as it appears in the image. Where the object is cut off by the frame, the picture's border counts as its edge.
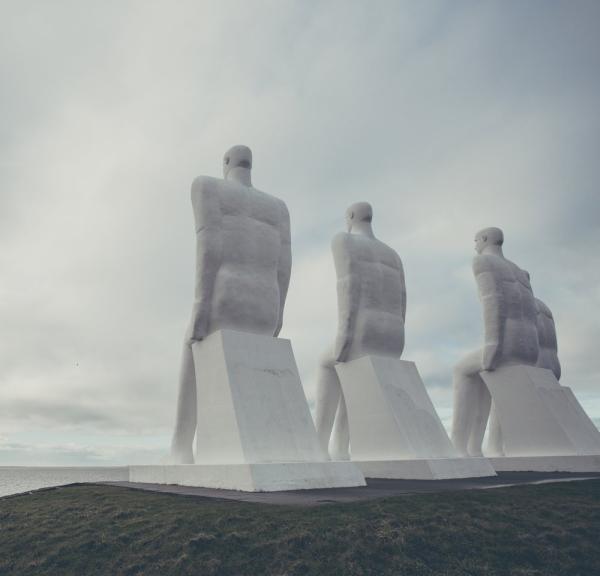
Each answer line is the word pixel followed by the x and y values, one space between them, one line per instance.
pixel 447 116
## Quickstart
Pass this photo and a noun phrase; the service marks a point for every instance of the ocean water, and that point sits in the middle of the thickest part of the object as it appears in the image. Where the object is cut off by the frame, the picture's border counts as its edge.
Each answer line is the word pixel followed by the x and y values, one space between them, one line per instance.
pixel 18 479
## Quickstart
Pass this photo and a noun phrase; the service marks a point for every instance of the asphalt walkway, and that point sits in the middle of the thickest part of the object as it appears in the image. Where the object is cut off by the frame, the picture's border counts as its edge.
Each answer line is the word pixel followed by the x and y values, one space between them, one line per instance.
pixel 376 488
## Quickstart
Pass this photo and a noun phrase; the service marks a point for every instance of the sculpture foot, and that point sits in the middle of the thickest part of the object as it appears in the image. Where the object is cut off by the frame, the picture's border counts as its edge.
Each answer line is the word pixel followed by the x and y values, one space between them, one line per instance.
pixel 337 455
pixel 181 456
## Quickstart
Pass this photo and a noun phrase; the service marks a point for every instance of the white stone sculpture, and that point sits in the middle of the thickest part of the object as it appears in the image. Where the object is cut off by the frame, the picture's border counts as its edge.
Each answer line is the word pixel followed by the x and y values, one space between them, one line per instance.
pixel 243 266
pixel 371 309
pixel 535 424
pixel 509 317
pixel 383 414
pixel 239 391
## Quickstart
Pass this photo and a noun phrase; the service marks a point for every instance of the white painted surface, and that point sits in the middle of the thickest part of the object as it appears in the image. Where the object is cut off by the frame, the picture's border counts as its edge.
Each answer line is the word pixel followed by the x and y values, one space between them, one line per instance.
pixel 389 411
pixel 427 468
pixel 510 337
pixel 255 431
pixel 243 266
pixel 546 463
pixel 371 310
pixel 538 416
pixel 265 477
pixel 251 404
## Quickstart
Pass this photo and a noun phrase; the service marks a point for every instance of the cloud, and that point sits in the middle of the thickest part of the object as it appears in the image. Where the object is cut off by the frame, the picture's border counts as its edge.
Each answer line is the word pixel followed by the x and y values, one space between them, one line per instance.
pixel 447 117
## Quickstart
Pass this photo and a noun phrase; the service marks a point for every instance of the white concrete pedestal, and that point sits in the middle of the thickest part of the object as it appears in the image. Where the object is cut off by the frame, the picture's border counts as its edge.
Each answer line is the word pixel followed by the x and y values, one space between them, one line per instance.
pixel 264 477
pixel 395 431
pixel 579 463
pixel 544 428
pixel 255 431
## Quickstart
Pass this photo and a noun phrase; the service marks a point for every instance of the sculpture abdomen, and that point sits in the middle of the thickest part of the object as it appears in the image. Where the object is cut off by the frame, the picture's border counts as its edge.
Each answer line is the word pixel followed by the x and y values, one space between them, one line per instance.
pixel 378 332
pixel 245 300
pixel 520 342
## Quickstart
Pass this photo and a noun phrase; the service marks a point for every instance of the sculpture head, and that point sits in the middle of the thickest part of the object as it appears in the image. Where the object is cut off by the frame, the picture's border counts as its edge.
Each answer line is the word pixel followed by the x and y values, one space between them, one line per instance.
pixel 238 159
pixel 488 237
pixel 359 215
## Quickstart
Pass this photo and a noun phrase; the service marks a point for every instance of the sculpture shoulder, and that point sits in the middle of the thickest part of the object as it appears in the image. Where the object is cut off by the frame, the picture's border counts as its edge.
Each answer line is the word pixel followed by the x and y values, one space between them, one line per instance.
pixel 205 186
pixel 341 243
pixel 283 209
pixel 543 309
pixel 388 255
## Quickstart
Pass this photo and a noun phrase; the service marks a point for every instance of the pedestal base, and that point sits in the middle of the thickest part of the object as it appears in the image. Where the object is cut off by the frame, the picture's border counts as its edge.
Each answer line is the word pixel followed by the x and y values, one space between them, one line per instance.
pixel 546 463
pixel 538 416
pixel 264 477
pixel 390 414
pixel 395 431
pixel 427 468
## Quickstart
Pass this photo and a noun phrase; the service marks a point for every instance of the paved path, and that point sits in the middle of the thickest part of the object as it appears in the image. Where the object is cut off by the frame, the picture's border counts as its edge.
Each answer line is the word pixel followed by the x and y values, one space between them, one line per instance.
pixel 376 488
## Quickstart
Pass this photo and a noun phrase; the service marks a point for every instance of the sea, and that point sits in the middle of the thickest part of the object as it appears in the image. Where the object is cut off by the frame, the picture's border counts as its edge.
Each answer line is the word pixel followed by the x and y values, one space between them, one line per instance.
pixel 19 479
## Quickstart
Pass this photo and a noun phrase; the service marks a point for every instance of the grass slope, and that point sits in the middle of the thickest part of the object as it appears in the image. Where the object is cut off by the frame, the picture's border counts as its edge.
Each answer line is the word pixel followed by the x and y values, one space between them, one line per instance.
pixel 546 530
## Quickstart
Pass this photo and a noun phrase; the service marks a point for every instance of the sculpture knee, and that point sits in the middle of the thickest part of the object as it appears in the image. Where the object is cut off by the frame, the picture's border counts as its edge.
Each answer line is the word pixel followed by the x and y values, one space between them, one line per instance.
pixel 327 360
pixel 469 367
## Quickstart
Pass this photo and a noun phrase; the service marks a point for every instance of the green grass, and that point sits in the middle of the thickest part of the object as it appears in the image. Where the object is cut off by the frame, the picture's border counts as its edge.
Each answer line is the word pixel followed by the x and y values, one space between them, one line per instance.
pixel 546 530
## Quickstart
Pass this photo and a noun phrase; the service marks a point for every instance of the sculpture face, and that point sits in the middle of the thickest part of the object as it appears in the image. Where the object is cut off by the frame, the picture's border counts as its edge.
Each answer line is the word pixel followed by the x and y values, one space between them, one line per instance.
pixel 237 157
pixel 480 242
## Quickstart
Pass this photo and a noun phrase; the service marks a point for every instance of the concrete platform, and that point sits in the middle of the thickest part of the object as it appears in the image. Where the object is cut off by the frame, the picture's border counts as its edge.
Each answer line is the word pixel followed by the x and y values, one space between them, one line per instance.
pixel 570 463
pixel 427 468
pixel 375 488
pixel 262 477
pixel 538 416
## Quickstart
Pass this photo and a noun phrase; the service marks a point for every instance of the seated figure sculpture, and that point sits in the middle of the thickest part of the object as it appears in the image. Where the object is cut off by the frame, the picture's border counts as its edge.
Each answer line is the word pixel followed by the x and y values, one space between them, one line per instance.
pixel 509 315
pixel 243 266
pixel 371 311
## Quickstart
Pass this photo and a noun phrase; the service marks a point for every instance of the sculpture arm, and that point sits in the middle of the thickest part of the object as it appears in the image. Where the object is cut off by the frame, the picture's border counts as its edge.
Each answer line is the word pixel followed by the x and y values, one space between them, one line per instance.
pixel 208 217
pixel 558 368
pixel 284 267
pixel 494 311
pixel 403 294
pixel 348 292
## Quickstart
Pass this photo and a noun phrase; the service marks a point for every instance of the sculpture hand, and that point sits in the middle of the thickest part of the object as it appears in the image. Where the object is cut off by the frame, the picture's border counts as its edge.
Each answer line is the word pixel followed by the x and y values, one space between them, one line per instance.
pixel 198 325
pixel 491 353
pixel 278 328
pixel 342 349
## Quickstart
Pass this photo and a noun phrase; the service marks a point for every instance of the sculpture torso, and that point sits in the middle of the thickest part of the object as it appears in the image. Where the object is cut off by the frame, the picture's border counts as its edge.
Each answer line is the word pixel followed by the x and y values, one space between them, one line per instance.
pixel 548 355
pixel 371 290
pixel 508 301
pixel 241 233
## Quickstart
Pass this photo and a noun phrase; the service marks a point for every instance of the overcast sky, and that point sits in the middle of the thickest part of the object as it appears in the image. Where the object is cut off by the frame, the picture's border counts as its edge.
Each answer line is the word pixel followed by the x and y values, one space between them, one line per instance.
pixel 447 116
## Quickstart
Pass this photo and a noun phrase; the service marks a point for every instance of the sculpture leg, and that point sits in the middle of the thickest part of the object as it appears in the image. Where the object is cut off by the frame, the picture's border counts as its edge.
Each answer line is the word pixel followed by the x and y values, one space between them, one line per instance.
pixel 340 438
pixel 327 400
pixel 467 383
pixel 480 418
pixel 185 423
pixel 495 445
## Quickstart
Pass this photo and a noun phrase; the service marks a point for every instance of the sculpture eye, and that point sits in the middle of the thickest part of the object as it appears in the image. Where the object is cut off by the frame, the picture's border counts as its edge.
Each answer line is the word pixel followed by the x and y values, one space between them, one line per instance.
pixel 227 160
